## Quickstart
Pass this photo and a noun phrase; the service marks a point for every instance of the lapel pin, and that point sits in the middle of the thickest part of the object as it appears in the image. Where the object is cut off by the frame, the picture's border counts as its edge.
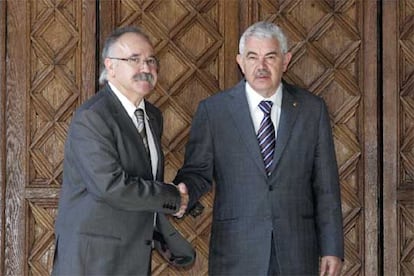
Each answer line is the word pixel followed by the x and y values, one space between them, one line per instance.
pixel 295 104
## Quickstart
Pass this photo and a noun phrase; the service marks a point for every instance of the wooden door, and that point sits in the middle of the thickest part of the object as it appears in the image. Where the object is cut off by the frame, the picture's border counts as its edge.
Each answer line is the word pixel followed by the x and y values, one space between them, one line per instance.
pixel 49 68
pixel 398 137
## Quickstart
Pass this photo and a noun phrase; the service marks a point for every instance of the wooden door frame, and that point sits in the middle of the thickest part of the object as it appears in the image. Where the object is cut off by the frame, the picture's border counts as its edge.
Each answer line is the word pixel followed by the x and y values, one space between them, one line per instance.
pixel 391 135
pixel 2 128
pixel 15 120
pixel 371 160
pixel 377 174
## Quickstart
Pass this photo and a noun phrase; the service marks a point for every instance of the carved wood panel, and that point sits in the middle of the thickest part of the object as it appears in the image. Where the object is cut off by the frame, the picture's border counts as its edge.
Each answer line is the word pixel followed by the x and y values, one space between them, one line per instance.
pixel 50 71
pixel 398 33
pixel 2 127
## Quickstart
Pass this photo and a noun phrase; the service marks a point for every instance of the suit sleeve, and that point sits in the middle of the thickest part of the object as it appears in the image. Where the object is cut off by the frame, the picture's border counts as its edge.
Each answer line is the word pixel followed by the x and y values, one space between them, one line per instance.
pixel 326 189
pixel 197 171
pixel 94 165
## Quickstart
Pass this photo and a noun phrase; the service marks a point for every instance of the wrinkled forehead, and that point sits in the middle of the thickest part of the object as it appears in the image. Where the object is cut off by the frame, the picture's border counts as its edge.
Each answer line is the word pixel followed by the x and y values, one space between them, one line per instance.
pixel 261 45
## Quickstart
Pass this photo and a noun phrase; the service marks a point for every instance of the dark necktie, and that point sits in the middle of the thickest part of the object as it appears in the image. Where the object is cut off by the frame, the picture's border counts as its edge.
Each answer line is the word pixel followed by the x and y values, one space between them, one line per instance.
pixel 266 135
pixel 139 113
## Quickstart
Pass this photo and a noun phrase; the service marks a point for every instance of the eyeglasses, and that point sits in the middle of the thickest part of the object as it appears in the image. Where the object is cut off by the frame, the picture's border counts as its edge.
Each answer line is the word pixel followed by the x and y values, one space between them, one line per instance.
pixel 151 62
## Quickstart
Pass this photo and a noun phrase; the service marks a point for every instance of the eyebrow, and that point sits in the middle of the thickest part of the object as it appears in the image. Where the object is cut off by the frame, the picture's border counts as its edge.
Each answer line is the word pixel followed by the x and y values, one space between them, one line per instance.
pixel 267 54
pixel 139 55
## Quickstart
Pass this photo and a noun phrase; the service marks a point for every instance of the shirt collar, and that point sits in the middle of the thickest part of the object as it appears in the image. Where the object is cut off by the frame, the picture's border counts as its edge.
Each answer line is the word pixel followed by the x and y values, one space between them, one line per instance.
pixel 255 98
pixel 126 103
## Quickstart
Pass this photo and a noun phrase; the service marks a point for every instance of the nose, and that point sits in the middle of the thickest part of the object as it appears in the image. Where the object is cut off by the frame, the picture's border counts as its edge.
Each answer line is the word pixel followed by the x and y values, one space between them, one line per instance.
pixel 144 66
pixel 261 62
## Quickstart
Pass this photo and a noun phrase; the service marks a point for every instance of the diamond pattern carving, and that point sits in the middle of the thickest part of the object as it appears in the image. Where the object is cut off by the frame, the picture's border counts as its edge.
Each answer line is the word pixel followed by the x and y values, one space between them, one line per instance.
pixel 53 94
pixel 406 216
pixel 317 11
pixel 190 95
pixel 302 60
pixel 406 42
pixel 40 216
pixel 337 38
pixel 407 155
pixel 352 228
pixel 168 13
pixel 55 37
pixel 54 77
pixel 169 59
pixel 174 118
pixel 129 11
pixel 197 40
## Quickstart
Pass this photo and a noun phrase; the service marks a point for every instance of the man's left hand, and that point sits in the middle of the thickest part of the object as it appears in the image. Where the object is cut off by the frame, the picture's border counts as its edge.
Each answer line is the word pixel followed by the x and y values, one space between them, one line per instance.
pixel 330 266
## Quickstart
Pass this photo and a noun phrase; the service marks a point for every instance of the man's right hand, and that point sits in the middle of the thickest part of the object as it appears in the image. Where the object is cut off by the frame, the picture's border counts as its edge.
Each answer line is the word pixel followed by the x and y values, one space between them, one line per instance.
pixel 182 188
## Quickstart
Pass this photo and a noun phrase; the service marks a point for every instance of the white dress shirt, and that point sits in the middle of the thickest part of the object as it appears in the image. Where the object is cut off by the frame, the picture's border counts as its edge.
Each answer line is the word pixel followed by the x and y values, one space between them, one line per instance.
pixel 254 99
pixel 130 109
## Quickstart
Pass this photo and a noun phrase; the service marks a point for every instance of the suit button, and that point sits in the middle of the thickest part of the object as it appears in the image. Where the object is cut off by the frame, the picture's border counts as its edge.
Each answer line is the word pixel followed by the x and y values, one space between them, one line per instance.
pixel 270 188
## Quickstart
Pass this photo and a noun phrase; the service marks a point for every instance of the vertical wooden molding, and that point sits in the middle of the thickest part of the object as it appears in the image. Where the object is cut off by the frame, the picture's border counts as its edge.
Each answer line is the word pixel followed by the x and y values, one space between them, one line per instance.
pixel 89 47
pixel 246 15
pixel 230 69
pixel 16 135
pixel 370 161
pixel 391 135
pixel 2 128
pixel 106 13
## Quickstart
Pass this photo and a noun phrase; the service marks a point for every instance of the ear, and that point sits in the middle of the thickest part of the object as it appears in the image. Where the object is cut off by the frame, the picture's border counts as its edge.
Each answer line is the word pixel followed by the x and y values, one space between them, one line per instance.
pixel 109 65
pixel 239 60
pixel 286 60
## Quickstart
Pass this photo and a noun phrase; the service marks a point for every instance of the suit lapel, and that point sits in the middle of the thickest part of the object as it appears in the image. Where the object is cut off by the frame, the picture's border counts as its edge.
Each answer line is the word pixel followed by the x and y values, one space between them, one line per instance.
pixel 154 127
pixel 240 113
pixel 290 110
pixel 123 119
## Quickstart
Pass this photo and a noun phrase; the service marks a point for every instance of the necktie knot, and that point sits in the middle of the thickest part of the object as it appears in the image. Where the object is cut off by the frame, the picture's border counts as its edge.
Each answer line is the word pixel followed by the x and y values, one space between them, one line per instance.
pixel 266 106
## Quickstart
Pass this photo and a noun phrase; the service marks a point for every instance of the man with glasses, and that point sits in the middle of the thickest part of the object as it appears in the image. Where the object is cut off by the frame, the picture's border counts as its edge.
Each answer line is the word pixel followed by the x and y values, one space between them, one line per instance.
pixel 113 200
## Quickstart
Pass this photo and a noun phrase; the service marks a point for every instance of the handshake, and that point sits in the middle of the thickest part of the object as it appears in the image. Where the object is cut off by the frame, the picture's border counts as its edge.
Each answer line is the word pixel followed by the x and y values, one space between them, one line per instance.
pixel 195 210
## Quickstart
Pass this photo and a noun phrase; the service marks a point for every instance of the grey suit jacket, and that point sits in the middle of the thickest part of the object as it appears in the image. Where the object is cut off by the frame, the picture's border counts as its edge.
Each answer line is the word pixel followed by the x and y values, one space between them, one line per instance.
pixel 299 203
pixel 105 221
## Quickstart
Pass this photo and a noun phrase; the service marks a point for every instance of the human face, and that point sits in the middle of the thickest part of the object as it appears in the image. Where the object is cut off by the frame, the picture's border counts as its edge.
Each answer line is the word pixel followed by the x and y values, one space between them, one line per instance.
pixel 136 77
pixel 263 64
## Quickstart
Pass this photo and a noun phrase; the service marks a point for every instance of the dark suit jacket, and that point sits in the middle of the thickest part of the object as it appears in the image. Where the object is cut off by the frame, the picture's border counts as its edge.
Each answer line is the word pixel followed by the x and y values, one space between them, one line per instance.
pixel 300 202
pixel 108 198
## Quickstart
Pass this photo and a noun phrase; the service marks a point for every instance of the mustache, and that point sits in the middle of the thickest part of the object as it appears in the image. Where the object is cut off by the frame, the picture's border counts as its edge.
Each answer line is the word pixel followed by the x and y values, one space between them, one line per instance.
pixel 262 73
pixel 144 77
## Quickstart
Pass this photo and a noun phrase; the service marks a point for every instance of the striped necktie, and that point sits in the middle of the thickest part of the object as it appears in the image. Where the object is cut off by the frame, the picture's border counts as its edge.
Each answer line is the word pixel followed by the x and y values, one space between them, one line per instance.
pixel 139 113
pixel 266 135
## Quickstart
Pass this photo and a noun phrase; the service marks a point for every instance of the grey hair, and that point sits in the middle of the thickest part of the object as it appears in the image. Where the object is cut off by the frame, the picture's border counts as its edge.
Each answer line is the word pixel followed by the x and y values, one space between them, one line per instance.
pixel 111 40
pixel 264 29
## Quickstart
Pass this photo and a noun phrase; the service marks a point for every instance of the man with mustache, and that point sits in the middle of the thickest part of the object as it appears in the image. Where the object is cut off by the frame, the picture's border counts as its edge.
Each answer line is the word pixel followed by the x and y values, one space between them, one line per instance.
pixel 113 200
pixel 268 146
